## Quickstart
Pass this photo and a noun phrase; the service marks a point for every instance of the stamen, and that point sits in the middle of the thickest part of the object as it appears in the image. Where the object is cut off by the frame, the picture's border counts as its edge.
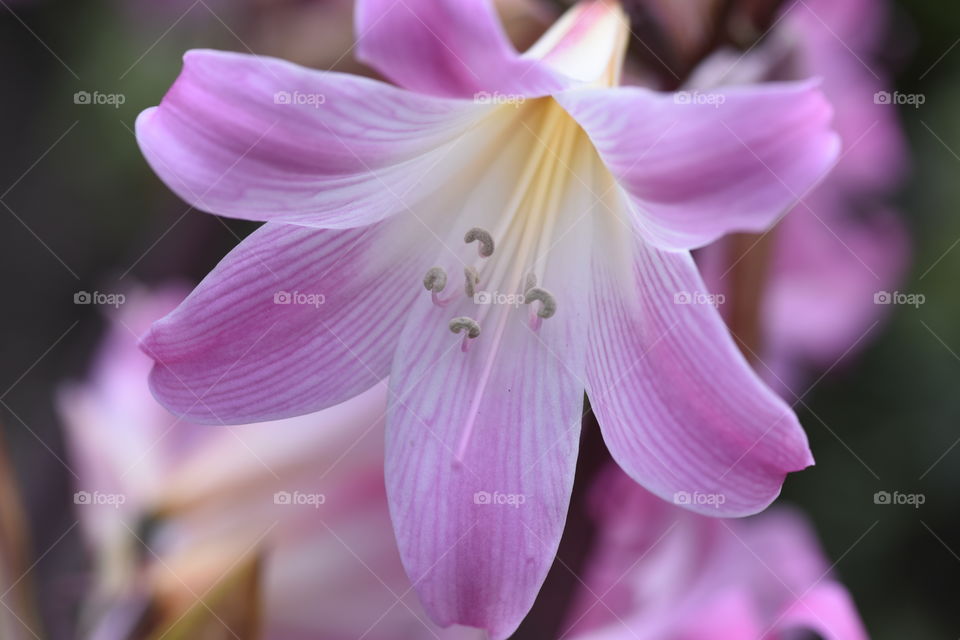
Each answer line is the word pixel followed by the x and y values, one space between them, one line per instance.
pixel 548 305
pixel 463 322
pixel 483 237
pixel 472 279
pixel 471 326
pixel 435 281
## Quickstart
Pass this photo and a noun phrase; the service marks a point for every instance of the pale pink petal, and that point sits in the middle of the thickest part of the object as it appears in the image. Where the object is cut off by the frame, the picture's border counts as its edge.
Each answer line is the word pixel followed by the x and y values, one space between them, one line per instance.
pixel 586 43
pixel 263 139
pixel 500 422
pixel 292 321
pixel 681 410
pixel 452 48
pixel 699 166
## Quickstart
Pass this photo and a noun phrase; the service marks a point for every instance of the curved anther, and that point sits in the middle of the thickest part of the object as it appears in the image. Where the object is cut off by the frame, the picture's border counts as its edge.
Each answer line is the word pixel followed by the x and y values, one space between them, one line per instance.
pixel 435 280
pixel 471 280
pixel 483 237
pixel 462 323
pixel 468 325
pixel 548 304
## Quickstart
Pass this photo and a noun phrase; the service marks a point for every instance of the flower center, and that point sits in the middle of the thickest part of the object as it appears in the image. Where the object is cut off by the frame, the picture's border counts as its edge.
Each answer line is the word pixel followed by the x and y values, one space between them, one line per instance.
pixel 587 43
pixel 547 177
pixel 506 263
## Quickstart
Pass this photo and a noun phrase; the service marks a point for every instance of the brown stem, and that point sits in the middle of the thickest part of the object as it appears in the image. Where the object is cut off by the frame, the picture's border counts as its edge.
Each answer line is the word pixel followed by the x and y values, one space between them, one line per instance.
pixel 749 255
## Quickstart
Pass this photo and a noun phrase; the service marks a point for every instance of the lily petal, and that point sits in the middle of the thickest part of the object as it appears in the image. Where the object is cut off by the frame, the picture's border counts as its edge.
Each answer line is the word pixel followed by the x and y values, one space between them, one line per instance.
pixel 263 139
pixel 482 445
pixel 698 166
pixel 454 48
pixel 680 409
pixel 286 324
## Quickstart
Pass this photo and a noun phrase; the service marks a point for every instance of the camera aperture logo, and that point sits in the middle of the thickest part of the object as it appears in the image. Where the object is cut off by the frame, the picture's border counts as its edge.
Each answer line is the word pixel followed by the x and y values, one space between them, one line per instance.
pixel 698 498
pixel 299 298
pixel 299 98
pixel 299 498
pixel 500 499
pixel 98 297
pixel 910 499
pixel 98 498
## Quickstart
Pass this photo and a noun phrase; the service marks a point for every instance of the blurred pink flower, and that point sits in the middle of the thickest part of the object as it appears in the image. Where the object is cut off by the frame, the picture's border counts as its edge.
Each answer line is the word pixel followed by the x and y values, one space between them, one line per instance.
pixel 843 245
pixel 210 497
pixel 366 187
pixel 120 442
pixel 659 572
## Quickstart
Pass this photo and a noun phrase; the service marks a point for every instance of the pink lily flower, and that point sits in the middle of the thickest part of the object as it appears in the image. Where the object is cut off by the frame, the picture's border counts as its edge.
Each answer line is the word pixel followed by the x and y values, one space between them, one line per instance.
pixel 548 213
pixel 659 572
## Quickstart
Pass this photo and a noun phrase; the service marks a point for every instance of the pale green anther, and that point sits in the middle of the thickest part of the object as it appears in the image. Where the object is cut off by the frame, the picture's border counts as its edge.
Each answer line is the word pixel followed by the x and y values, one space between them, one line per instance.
pixel 483 237
pixel 462 323
pixel 548 304
pixel 435 280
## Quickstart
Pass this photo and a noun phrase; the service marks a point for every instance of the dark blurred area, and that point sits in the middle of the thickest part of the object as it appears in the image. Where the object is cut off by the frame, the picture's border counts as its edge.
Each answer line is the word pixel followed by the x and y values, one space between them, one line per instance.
pixel 80 211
